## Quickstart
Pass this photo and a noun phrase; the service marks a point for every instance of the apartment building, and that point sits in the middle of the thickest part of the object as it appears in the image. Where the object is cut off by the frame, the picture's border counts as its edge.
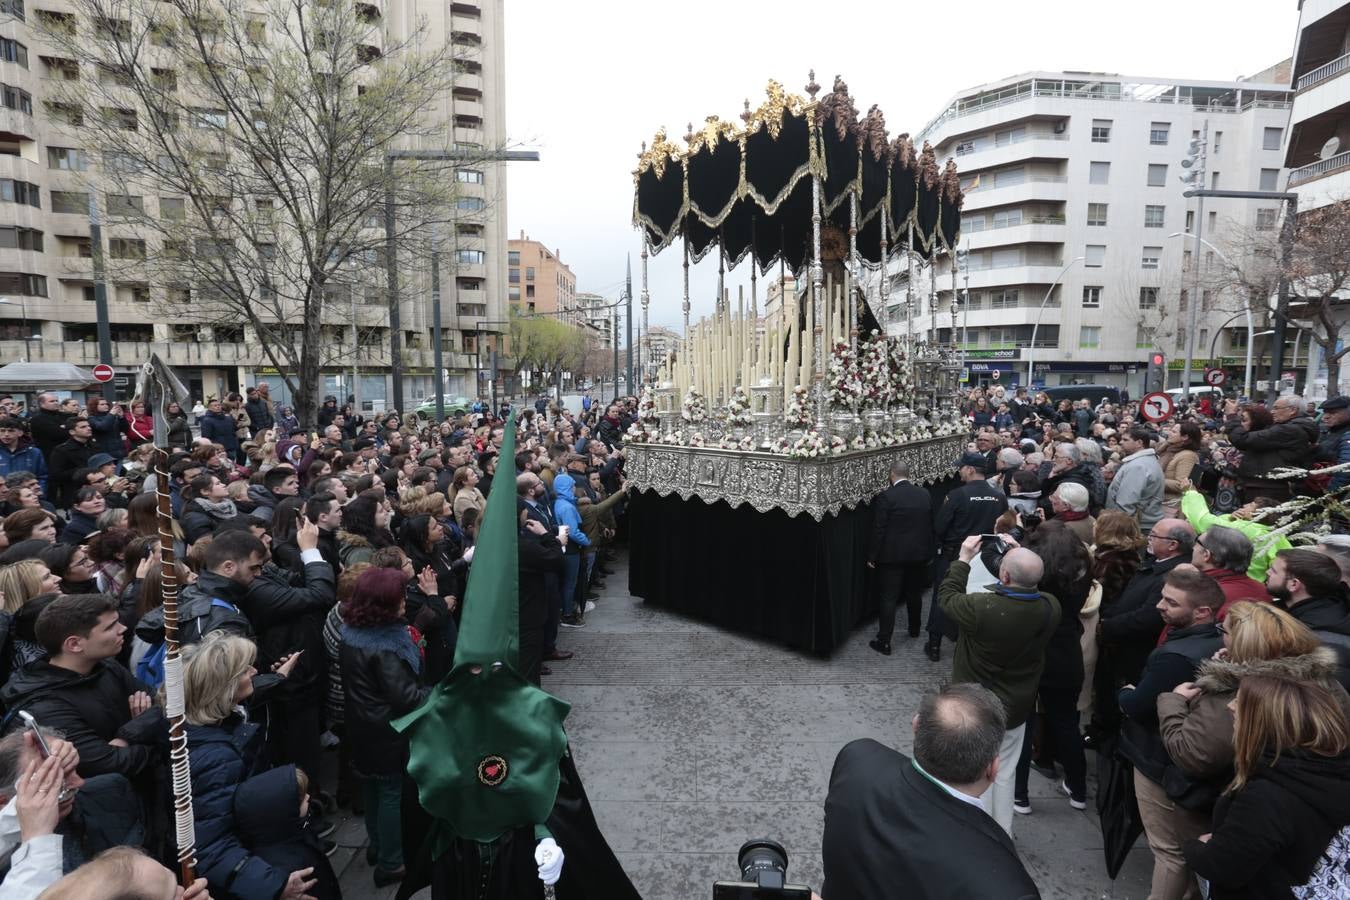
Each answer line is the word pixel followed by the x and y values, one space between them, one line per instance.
pixel 1074 223
pixel 538 281
pixel 596 313
pixel 1318 150
pixel 46 269
pixel 657 345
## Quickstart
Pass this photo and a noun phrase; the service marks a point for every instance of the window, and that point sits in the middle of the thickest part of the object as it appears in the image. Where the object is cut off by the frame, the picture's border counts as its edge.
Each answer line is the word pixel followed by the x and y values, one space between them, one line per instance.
pixel 1092 295
pixel 1184 300
pixel 70 202
pixel 23 283
pixel 126 248
pixel 1204 337
pixel 13 51
pixel 513 294
pixel 1272 138
pixel 1148 298
pixel 1010 136
pixel 1094 256
pixel 13 8
pixel 1190 219
pixel 174 209
pixel 1157 133
pixel 1217 143
pixel 513 258
pixel 1185 260
pixel 256 31
pixel 1154 216
pixel 1096 214
pixel 115 74
pixel 470 204
pixel 206 118
pixel 1270 179
pixel 1007 218
pixel 125 205
pixel 1212 223
pixel 121 163
pixel 1009 177
pixel 112 29
pixel 468 176
pixel 1157 174
pixel 1099 172
pixel 529 290
pixel 1090 337
pixel 164 79
pixel 513 276
pixel 12 238
pixel 1213 181
pixel 1206 298
pixel 1265 219
pixel 68 158
pixel 1151 257
pixel 17 98
pixel 1209 260
pixel 471 257
pixel 175 249
pixel 1007 298
pixel 529 273
pixel 1143 337
pixel 124 119
pixel 1101 131
pixel 1237 339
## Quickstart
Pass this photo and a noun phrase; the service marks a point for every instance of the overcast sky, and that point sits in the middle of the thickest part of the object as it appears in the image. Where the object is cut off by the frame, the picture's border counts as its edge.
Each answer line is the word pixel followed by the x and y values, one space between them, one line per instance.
pixel 587 82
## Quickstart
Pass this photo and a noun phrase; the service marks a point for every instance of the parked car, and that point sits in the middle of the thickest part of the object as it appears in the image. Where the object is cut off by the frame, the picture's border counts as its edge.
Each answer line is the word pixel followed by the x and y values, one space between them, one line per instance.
pixel 1093 393
pixel 454 406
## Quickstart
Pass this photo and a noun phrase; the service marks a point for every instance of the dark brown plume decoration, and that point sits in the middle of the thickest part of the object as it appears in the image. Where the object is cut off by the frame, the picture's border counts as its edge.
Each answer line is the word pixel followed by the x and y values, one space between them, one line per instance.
pixel 928 167
pixel 951 184
pixel 838 106
pixel 874 133
pixel 902 150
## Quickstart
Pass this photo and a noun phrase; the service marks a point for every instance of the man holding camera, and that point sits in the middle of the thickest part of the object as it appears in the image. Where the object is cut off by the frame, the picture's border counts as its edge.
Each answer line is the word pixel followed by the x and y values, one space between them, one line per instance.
pixel 922 823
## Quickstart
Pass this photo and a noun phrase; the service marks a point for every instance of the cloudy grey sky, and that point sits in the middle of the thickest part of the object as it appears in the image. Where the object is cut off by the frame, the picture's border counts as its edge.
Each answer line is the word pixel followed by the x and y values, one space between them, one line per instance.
pixel 587 82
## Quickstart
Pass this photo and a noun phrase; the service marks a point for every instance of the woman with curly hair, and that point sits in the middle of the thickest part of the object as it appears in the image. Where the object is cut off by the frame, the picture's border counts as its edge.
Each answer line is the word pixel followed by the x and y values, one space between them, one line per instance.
pixel 381 670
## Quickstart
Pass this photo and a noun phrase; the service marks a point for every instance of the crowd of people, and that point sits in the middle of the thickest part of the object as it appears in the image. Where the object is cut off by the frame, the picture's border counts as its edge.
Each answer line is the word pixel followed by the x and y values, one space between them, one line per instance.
pixel 1123 588
pixel 322 576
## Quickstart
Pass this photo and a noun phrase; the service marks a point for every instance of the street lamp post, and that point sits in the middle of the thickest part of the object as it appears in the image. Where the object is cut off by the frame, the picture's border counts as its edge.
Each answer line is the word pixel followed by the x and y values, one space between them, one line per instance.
pixel 1247 308
pixel 1031 348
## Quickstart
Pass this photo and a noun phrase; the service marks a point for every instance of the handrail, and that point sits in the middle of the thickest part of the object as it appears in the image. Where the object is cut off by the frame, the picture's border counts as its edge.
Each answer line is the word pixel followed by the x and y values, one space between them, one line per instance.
pixel 972 228
pixel 1032 136
pixel 1319 168
pixel 1323 72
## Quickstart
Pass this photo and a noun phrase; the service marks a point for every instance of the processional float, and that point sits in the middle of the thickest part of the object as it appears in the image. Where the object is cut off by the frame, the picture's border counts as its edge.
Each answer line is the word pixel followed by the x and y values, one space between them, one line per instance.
pixel 812 400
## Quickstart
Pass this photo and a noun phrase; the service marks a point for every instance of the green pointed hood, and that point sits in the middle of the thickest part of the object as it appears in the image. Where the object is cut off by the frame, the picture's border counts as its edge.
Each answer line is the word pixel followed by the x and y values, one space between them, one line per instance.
pixel 484 747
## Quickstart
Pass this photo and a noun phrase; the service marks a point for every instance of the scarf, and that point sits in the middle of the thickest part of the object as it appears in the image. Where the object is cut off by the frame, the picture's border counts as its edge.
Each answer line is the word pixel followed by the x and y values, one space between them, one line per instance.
pixel 1070 516
pixel 392 637
pixel 222 510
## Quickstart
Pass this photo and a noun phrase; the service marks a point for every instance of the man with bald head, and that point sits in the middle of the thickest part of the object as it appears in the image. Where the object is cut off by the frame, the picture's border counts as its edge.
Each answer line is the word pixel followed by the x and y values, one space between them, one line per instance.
pixel 1004 631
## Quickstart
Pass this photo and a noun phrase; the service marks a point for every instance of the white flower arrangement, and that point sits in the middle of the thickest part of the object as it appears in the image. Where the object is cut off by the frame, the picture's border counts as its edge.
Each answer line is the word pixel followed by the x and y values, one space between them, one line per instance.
pixel 902 375
pixel 798 411
pixel 697 440
pixel 695 408
pixel 844 378
pixel 875 372
pixel 809 446
pixel 646 408
pixel 729 442
pixel 837 445
pixel 738 408
pixel 675 438
pixel 637 433
pixel 858 443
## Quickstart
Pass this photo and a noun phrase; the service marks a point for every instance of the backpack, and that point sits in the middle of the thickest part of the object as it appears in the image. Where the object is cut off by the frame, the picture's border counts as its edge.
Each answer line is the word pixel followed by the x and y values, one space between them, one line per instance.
pixel 150 667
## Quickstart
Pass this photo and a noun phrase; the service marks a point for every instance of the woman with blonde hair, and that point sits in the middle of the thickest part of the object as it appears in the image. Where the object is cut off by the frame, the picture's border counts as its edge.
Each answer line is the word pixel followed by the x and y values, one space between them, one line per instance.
pixel 1195 720
pixel 226 750
pixel 466 494
pixel 1281 825
pixel 24 580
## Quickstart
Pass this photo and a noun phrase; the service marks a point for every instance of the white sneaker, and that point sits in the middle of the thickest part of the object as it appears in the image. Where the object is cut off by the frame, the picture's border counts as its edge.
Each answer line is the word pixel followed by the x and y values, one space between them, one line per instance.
pixel 1076 804
pixel 1022 807
pixel 590 605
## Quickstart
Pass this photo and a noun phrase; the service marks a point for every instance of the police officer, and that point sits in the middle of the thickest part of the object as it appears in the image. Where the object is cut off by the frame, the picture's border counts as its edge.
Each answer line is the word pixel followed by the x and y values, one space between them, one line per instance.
pixel 973 508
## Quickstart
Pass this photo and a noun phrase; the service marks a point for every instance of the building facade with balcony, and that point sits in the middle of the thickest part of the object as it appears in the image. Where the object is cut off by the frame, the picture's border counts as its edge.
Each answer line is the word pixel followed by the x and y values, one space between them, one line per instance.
pixel 657 346
pixel 538 281
pixel 595 313
pixel 46 265
pixel 1062 165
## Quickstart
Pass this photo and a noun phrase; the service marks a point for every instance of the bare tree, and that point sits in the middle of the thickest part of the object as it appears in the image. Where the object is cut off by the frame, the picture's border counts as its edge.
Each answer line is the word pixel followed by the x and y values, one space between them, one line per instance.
pixel 244 152
pixel 1319 271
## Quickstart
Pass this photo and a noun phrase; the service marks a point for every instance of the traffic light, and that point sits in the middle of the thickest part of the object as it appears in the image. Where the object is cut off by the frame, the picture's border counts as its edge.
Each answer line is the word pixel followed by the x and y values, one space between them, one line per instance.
pixel 1156 380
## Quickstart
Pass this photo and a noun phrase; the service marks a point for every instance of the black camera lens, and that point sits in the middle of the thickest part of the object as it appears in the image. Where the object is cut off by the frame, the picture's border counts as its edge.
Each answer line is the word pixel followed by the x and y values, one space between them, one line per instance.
pixel 763 862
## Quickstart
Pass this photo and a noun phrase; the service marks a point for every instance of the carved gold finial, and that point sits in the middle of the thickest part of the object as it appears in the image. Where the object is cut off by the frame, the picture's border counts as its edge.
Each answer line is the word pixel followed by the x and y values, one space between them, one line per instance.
pixel 811 87
pixel 689 134
pixel 745 113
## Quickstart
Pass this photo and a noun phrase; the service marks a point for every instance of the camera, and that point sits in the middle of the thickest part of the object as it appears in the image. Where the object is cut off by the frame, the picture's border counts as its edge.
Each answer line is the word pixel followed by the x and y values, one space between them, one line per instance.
pixel 763 865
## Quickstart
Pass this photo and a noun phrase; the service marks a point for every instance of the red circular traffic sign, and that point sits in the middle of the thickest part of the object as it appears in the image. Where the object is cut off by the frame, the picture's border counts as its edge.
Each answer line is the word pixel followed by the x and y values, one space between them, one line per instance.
pixel 1216 377
pixel 1156 406
pixel 103 373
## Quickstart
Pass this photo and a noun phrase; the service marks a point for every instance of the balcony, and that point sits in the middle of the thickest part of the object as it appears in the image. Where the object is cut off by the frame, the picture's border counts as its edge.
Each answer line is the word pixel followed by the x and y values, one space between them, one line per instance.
pixel 1034 188
pixel 15 125
pixel 1321 168
pixel 466 24
pixel 1020 273
pixel 467 107
pixel 1031 230
pixel 1324 72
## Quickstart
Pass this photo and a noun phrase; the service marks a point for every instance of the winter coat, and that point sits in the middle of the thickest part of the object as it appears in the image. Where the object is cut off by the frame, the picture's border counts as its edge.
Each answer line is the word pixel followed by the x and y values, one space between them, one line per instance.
pixel 1176 466
pixel 48 429
pixel 1270 835
pixel 62 466
pixel 287 618
pixel 223 756
pixel 610 431
pixel 381 680
pixel 90 710
pixel 1130 623
pixel 1329 619
pixel 198 520
pixel 1137 488
pixel 212 603
pixel 1264 544
pixel 108 431
pixel 566 512
pixel 1288 444
pixel 353 549
pixel 77 529
pixel 218 428
pixel 24 459
pixel 259 415
pixel 262 498
pixel 140 429
pixel 1237 587
pixel 268 822
pixel 1334 448
pixel 1064 654
pixel 180 432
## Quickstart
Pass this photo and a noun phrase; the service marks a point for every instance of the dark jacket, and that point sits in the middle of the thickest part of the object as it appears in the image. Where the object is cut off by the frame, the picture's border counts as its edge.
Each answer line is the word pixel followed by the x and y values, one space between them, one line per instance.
pixel 1334 448
pixel 1175 661
pixel 1004 633
pixel 610 431
pixel 24 459
pixel 259 415
pixel 888 824
pixel 970 509
pixel 77 529
pixel 1130 626
pixel 48 429
pixel 196 522
pixel 902 530
pixel 1064 654
pixel 378 685
pixel 90 710
pixel 223 756
pixel 108 430
pixel 63 465
pixel 1329 618
pixel 1270 835
pixel 180 432
pixel 268 823
pixel 1292 443
pixel 212 603
pixel 287 618
pixel 219 428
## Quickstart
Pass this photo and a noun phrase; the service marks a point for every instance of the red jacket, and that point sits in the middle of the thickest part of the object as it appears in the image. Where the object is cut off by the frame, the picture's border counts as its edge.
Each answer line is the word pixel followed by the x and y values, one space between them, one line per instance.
pixel 1236 587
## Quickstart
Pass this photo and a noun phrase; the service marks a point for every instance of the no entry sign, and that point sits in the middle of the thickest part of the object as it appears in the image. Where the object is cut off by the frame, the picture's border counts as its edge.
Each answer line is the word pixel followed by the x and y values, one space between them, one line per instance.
pixel 1156 406
pixel 103 373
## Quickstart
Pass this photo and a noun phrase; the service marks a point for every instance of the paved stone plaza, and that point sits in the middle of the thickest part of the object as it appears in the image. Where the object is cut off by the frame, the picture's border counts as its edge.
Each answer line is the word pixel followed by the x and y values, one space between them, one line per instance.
pixel 692 740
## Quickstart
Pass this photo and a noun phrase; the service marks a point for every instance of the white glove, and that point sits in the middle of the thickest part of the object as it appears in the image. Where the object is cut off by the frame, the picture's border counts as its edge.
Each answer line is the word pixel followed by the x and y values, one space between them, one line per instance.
pixel 549 856
pixel 468 554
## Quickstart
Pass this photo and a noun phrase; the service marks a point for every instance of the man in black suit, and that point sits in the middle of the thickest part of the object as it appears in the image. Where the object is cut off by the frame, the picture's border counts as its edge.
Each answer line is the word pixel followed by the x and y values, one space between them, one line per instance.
pixel 917 828
pixel 901 552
